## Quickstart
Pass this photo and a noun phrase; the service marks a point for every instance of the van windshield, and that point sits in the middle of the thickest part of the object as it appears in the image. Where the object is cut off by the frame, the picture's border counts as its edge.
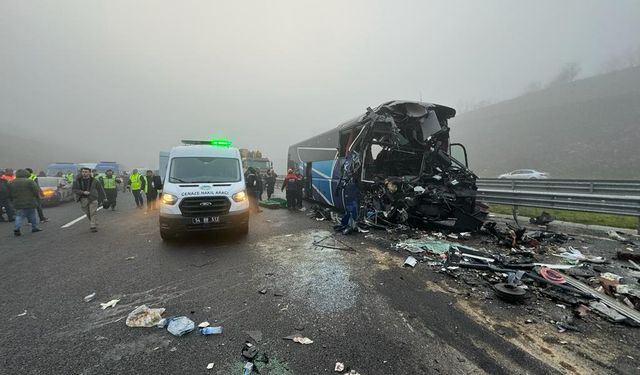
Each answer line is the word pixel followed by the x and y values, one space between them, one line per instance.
pixel 204 169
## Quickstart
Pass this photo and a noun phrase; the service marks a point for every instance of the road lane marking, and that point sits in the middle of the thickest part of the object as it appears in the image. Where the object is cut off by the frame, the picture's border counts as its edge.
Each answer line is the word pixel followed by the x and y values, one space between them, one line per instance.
pixel 67 225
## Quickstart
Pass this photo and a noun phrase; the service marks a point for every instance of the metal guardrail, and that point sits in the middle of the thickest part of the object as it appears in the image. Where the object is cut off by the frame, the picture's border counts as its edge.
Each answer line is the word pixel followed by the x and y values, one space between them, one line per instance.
pixel 615 197
pixel 607 187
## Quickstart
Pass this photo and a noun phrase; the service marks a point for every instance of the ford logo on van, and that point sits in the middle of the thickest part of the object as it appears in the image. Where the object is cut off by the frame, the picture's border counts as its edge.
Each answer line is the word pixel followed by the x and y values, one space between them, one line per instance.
pixel 206 204
pixel 205 187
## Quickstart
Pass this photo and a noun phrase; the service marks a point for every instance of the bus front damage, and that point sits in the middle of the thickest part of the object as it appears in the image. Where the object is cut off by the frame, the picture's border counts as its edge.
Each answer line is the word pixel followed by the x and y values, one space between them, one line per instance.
pixel 399 169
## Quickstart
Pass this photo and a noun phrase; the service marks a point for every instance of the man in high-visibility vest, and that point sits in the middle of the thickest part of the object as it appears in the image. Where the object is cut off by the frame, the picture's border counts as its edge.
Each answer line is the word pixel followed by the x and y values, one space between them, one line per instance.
pixel 69 177
pixel 136 184
pixel 151 184
pixel 110 185
pixel 33 177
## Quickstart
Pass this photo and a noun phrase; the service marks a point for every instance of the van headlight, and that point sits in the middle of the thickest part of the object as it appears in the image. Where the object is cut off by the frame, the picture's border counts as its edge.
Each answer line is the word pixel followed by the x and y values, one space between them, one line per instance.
pixel 240 196
pixel 169 199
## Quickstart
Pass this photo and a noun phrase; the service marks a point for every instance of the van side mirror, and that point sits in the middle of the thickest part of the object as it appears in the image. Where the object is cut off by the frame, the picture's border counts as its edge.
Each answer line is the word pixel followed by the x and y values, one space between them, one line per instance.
pixel 459 152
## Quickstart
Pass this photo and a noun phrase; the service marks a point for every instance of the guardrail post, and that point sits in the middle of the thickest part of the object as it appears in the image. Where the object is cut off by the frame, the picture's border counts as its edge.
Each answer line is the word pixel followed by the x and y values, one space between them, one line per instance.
pixel 513 184
pixel 591 187
pixel 514 211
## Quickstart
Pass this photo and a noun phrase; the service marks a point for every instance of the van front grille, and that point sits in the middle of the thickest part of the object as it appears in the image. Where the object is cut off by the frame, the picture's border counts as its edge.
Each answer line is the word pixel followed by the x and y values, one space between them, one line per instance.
pixel 205 206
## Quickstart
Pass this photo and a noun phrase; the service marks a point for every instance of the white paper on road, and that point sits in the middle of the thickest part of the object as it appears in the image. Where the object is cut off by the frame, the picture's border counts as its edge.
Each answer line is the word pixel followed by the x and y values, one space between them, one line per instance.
pixel 67 225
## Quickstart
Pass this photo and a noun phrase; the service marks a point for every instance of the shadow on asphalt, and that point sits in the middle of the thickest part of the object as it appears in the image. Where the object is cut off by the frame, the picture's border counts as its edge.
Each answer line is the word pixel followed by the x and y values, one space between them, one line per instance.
pixel 204 240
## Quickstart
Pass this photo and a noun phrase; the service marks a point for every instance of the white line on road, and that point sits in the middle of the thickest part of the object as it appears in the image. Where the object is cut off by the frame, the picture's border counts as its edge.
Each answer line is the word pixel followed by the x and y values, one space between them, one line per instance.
pixel 67 225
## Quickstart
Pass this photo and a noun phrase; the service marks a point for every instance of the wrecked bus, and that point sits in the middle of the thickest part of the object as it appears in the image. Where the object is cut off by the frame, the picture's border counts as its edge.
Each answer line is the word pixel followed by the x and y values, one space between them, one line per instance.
pixel 392 165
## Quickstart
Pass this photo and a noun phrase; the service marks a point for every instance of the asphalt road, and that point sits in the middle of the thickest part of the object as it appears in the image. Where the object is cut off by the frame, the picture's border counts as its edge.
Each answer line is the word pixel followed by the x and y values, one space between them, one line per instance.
pixel 359 307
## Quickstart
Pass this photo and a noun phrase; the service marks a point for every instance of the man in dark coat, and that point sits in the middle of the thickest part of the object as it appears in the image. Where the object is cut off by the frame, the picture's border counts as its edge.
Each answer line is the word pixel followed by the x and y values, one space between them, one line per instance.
pixel 4 199
pixel 150 184
pixel 25 196
pixel 252 183
pixel 90 194
pixel 270 181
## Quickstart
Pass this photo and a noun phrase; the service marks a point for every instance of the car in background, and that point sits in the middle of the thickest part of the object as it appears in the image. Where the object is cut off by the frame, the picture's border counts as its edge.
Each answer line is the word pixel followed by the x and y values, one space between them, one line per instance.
pixel 55 190
pixel 524 174
pixel 61 169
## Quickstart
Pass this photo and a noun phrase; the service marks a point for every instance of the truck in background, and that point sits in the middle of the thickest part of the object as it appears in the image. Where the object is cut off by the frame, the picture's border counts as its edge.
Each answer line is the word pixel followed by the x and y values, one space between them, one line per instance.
pixel 254 159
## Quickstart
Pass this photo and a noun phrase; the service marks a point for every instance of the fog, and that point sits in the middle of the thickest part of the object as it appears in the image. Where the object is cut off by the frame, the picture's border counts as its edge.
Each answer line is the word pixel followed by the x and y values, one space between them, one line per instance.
pixel 122 80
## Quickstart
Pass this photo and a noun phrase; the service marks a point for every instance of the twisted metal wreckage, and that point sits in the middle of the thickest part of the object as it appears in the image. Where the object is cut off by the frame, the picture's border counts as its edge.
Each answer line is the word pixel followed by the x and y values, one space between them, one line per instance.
pixel 396 167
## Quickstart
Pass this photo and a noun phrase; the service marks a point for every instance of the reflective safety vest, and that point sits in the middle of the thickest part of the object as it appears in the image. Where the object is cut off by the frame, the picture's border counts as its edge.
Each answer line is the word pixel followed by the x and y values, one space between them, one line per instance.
pixel 135 181
pixel 108 183
pixel 69 177
pixel 146 184
pixel 33 177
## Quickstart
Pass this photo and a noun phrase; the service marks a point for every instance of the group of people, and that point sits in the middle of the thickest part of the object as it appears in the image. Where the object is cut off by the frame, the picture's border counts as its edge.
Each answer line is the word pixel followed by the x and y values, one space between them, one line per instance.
pixel 294 185
pixel 20 194
pixel 256 184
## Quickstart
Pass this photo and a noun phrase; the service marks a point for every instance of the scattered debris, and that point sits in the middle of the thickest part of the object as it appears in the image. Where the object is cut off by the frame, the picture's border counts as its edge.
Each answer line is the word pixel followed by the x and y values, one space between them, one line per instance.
pixel 211 330
pixel 255 335
pixel 203 325
pixel 90 297
pixel 339 367
pixel 22 314
pixel 509 292
pixel 180 326
pixel 111 303
pixel 543 219
pixel 210 366
pixel 262 291
pixel 129 258
pixel 248 367
pixel 628 255
pixel 299 339
pixel 410 261
pixel 143 316
pixel 616 236
pixel 249 351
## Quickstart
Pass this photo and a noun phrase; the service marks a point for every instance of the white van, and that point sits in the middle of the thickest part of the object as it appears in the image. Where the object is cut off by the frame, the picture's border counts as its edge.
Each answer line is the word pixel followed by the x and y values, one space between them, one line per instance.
pixel 203 190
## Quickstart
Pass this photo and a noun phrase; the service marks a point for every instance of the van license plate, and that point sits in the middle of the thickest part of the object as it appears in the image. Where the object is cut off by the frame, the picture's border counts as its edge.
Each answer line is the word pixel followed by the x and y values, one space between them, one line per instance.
pixel 206 220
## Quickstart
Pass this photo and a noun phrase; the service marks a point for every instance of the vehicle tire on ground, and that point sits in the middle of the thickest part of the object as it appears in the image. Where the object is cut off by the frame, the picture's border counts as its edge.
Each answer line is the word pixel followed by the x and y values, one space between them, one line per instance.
pixel 243 229
pixel 166 235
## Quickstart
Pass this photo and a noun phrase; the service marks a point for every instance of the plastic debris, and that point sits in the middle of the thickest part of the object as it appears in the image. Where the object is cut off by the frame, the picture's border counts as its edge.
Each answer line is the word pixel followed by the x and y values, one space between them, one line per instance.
pixel 249 351
pixel 410 261
pixel 248 367
pixel 203 324
pixel 143 316
pixel 90 297
pixel 339 367
pixel 211 330
pixel 302 340
pixel 180 326
pixel 111 303
pixel 22 314
pixel 210 366
pixel 607 312
pixel 613 234
pixel 129 258
pixel 421 245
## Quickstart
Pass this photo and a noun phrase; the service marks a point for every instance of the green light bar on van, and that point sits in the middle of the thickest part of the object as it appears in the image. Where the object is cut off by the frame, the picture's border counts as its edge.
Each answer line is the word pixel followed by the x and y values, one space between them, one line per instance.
pixel 220 142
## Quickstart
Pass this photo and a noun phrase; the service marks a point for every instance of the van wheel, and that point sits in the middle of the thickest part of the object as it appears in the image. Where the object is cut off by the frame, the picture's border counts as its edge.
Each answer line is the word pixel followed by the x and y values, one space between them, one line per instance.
pixel 166 235
pixel 243 229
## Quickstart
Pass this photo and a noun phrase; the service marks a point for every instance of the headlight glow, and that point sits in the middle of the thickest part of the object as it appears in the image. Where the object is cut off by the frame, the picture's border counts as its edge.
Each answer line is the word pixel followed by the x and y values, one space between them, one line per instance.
pixel 240 196
pixel 168 199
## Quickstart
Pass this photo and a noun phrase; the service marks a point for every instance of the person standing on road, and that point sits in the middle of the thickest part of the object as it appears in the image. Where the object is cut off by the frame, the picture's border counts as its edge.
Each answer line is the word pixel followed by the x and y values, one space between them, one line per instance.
pixel 299 191
pixel 25 195
pixel 34 178
pixel 251 181
pixel 8 175
pixel 150 185
pixel 89 192
pixel 5 200
pixel 270 181
pixel 291 184
pixel 135 182
pixel 110 184
pixel 259 184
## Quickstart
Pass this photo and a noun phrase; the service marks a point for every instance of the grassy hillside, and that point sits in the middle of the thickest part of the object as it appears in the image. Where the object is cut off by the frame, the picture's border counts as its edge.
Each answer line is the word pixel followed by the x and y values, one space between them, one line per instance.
pixel 586 129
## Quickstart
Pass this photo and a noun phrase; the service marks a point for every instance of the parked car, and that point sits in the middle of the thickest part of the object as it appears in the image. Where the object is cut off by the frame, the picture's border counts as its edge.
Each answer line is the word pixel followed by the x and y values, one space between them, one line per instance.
pixel 55 190
pixel 525 174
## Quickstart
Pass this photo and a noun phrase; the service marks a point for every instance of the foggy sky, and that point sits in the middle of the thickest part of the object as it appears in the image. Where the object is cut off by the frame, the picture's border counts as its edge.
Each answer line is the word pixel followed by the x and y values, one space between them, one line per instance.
pixel 128 78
